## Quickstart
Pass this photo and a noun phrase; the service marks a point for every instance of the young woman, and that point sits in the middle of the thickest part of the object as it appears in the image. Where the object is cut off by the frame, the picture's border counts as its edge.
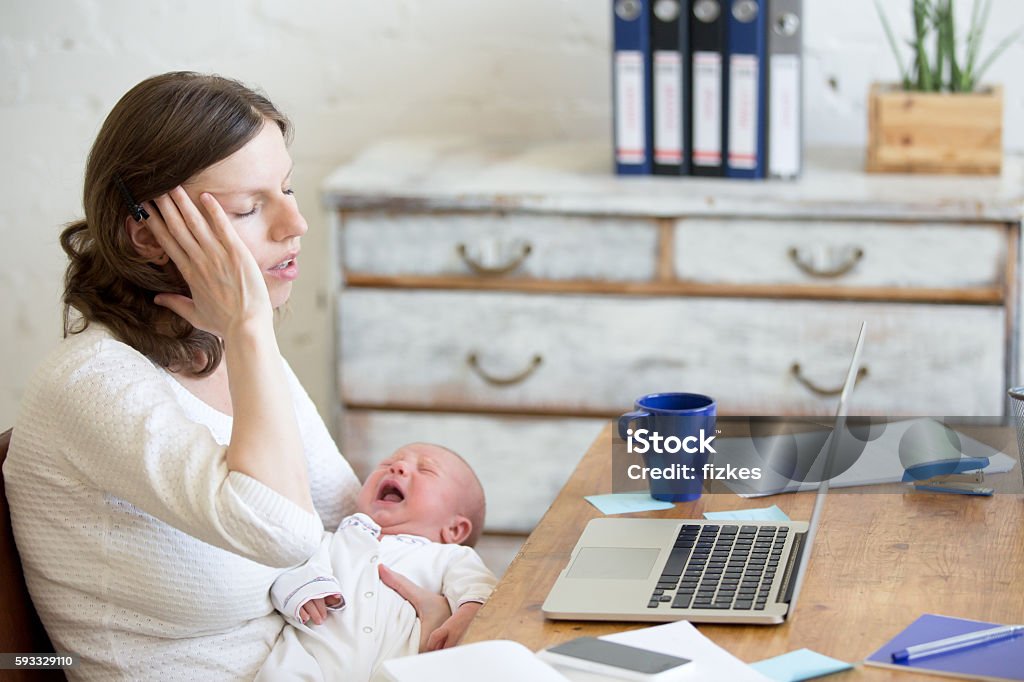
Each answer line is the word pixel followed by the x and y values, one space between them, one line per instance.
pixel 167 464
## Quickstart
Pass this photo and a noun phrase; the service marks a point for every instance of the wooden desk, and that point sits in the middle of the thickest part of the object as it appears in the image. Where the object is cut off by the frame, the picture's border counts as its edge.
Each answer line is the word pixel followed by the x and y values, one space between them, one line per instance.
pixel 880 560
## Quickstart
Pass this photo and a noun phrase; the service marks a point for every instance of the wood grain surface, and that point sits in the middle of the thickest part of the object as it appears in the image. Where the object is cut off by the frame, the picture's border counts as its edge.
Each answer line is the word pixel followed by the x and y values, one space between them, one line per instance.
pixel 879 561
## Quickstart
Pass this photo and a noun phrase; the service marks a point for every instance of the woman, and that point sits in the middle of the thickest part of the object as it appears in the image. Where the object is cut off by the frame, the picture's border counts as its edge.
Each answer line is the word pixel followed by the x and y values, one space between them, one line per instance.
pixel 167 464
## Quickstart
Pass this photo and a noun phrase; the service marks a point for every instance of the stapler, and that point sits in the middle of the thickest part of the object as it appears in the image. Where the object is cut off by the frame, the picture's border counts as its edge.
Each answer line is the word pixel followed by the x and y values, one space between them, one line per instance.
pixel 933 460
pixel 970 483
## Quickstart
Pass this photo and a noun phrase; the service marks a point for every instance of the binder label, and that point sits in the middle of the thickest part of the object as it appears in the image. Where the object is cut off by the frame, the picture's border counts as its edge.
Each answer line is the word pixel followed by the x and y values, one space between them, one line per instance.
pixel 668 103
pixel 707 111
pixel 630 129
pixel 784 114
pixel 743 73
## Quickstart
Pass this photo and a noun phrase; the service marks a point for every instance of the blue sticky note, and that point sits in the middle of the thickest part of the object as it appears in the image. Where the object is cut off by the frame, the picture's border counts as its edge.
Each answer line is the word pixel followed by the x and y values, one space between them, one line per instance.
pixel 772 513
pixel 802 664
pixel 623 503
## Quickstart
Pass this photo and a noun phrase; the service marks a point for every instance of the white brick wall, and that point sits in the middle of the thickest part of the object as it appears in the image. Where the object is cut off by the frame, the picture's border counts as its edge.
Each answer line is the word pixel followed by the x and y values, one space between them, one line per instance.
pixel 348 72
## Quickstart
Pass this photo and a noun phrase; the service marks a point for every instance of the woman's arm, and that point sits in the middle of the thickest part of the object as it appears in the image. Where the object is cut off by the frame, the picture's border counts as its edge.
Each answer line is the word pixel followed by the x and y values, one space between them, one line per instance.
pixel 265 440
pixel 230 300
pixel 331 480
pixel 112 422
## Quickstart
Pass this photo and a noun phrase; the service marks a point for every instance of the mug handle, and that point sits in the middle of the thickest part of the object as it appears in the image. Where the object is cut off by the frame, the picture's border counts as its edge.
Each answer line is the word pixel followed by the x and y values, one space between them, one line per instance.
pixel 628 418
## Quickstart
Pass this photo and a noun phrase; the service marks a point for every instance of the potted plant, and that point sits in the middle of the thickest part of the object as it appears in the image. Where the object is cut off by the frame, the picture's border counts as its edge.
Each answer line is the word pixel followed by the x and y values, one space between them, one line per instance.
pixel 939 118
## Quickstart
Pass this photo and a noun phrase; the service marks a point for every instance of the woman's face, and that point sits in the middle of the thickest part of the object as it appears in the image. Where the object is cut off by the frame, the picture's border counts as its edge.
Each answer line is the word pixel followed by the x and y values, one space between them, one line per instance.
pixel 253 186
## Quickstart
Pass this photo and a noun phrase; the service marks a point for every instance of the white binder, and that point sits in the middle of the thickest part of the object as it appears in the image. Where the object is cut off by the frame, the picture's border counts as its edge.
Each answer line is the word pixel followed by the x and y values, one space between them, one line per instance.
pixel 785 88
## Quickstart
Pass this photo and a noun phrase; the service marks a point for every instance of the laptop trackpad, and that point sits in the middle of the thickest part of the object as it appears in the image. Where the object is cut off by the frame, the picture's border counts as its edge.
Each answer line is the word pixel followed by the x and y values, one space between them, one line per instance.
pixel 627 563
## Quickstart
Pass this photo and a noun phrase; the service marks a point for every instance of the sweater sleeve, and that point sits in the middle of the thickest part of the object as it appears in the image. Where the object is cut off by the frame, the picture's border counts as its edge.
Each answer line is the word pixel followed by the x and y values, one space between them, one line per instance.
pixel 332 482
pixel 120 429
pixel 466 578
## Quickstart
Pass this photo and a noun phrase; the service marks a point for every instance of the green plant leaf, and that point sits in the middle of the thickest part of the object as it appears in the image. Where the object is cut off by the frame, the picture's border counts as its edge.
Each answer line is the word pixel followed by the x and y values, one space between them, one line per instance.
pixel 973 43
pixel 922 12
pixel 999 49
pixel 904 78
pixel 954 66
pixel 934 25
pixel 944 44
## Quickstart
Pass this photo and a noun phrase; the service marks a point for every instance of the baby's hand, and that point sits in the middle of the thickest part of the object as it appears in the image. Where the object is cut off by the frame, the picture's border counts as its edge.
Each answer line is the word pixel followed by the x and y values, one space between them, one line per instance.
pixel 316 609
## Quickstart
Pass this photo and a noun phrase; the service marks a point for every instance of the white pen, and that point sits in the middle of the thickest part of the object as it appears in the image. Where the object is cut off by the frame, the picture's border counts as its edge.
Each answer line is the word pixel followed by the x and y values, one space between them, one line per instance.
pixel 966 641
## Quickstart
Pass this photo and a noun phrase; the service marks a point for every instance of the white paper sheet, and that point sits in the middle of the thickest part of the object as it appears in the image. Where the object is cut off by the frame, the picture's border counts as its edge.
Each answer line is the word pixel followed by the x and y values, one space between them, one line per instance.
pixel 710 661
pixel 493 661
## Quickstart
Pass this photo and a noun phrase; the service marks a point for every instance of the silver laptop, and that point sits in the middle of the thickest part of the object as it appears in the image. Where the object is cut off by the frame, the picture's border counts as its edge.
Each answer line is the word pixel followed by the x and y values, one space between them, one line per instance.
pixel 703 571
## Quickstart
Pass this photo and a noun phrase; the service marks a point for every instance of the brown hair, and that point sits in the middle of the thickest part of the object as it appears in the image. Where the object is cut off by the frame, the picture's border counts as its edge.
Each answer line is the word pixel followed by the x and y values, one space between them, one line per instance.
pixel 162 132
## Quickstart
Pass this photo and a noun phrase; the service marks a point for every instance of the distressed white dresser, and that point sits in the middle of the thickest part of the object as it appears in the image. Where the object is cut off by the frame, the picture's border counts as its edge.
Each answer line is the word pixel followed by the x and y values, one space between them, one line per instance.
pixel 505 299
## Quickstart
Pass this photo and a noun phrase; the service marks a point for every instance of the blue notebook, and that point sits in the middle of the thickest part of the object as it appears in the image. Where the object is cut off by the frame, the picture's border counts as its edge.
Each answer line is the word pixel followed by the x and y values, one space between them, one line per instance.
pixel 1002 660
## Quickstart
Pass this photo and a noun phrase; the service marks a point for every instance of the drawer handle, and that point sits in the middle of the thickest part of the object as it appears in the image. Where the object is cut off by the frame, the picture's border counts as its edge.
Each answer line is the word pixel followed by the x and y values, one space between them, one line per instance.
pixel 854 255
pixel 493 270
pixel 474 362
pixel 796 371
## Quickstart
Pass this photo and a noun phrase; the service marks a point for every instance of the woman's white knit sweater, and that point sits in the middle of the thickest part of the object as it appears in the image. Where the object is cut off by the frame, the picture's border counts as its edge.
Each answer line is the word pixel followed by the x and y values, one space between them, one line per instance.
pixel 144 555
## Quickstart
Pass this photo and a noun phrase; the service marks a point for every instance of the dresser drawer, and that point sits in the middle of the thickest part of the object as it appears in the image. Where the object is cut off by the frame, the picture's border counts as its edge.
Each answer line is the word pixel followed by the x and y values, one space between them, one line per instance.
pixel 498 246
pixel 842 254
pixel 522 462
pixel 581 354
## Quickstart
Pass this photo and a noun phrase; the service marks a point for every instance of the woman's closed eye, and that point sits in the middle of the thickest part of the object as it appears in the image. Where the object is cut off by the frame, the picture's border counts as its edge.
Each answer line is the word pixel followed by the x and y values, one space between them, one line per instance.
pixel 251 212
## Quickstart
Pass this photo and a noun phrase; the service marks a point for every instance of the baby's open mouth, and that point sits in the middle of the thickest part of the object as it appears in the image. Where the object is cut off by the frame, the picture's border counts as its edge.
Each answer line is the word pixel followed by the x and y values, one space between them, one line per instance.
pixel 389 492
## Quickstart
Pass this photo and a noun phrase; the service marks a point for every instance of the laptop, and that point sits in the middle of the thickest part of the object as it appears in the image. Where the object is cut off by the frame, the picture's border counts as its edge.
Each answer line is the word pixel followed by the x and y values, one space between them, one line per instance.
pixel 662 570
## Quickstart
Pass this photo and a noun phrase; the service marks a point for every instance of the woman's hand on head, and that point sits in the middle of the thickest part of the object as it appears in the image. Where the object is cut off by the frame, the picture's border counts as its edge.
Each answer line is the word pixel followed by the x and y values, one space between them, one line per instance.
pixel 228 289
pixel 433 609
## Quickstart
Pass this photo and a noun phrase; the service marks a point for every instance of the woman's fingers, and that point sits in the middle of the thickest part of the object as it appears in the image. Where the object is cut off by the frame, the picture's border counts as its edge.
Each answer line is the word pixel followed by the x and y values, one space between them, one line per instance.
pixel 167 242
pixel 438 640
pixel 225 281
pixel 202 230
pixel 408 590
pixel 220 224
pixel 183 306
pixel 433 609
pixel 206 230
pixel 177 228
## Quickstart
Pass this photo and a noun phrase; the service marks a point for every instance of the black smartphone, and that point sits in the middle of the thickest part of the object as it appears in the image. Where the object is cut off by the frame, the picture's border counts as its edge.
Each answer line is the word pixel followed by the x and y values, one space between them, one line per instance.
pixel 611 658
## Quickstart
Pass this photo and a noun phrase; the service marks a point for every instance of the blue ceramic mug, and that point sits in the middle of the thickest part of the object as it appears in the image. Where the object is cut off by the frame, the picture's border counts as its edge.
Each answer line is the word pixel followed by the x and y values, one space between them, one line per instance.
pixel 673 433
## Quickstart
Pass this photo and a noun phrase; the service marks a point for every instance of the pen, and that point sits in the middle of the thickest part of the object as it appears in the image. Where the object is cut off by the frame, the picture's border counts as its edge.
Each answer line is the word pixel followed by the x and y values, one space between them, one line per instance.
pixel 958 643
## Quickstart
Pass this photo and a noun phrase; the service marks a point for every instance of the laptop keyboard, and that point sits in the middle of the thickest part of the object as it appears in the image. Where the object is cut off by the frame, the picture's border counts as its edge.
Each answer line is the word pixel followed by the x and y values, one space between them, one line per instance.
pixel 721 567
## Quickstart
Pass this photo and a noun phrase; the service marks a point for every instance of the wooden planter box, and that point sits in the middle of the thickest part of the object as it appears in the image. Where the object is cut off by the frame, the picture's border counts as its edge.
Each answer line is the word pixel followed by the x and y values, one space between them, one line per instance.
pixel 924 132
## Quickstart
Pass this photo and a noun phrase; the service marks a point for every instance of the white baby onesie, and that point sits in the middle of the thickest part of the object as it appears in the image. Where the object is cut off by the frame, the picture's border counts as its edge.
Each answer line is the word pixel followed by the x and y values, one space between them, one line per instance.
pixel 375 623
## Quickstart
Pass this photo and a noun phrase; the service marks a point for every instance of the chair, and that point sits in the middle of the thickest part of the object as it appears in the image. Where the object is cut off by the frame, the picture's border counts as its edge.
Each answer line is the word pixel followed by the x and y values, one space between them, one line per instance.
pixel 21 631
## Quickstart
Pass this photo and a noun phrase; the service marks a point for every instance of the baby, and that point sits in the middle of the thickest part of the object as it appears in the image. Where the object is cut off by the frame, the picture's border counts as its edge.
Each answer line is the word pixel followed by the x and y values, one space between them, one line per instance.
pixel 415 512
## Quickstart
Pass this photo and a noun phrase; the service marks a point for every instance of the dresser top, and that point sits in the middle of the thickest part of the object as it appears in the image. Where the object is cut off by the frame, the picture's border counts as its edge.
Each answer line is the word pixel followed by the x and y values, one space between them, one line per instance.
pixel 465 174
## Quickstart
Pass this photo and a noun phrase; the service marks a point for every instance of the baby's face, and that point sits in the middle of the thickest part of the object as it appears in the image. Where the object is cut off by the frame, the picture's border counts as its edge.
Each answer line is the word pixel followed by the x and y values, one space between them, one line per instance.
pixel 417 491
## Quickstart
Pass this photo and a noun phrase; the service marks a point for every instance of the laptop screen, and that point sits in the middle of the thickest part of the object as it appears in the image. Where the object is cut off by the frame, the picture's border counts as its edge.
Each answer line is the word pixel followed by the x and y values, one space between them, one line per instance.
pixel 833 446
